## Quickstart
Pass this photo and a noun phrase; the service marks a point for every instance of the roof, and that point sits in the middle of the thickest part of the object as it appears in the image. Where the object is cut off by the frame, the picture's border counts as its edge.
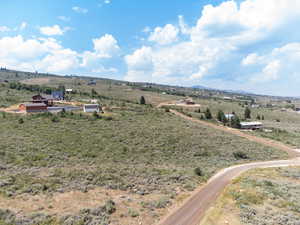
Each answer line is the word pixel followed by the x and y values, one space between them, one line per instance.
pixel 34 104
pixel 251 124
pixel 91 105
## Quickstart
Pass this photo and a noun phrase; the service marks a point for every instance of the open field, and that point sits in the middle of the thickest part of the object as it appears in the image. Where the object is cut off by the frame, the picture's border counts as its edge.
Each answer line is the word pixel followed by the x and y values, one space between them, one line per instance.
pixel 128 166
pixel 262 196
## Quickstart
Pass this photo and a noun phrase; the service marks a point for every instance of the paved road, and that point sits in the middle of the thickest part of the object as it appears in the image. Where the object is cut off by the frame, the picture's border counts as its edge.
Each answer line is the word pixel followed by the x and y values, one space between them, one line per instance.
pixel 193 210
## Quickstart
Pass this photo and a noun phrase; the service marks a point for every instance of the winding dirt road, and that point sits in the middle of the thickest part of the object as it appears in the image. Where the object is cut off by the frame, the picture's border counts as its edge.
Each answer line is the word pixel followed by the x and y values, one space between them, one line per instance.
pixel 194 208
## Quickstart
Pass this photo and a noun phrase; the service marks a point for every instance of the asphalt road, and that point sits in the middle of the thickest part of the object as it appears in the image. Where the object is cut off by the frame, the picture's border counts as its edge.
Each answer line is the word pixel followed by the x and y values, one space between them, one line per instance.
pixel 193 209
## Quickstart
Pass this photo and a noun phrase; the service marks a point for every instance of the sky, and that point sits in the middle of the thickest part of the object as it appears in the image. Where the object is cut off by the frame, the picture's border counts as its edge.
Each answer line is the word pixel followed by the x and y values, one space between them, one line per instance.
pixel 249 45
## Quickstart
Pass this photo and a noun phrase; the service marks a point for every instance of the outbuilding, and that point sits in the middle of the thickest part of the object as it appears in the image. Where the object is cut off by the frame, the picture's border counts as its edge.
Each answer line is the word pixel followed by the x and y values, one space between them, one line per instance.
pixel 33 107
pixel 90 108
pixel 229 116
pixel 251 125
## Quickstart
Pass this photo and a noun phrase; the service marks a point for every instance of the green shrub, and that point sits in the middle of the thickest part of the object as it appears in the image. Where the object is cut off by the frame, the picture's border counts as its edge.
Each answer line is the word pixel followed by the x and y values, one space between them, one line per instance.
pixel 240 155
pixel 21 121
pixel 198 172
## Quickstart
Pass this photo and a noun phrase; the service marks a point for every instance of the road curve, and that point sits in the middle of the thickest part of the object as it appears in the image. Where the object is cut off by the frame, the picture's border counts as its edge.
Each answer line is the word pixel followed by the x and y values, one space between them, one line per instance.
pixel 194 208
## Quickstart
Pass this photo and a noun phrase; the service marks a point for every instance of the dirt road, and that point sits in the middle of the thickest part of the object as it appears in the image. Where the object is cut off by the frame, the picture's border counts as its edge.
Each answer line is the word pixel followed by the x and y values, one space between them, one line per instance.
pixel 193 210
pixel 275 144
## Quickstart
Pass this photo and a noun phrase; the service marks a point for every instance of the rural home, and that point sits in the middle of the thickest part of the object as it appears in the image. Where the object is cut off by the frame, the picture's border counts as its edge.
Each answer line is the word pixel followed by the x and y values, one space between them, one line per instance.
pixel 187 101
pixel 251 125
pixel 47 100
pixel 90 108
pixel 58 95
pixel 92 82
pixel 33 107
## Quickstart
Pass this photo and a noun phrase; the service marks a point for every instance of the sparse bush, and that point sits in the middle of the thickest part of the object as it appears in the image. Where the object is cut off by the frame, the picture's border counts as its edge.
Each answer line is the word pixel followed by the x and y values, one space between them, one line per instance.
pixel 54 119
pixel 133 213
pixel 240 155
pixel 198 172
pixel 21 121
pixel 110 206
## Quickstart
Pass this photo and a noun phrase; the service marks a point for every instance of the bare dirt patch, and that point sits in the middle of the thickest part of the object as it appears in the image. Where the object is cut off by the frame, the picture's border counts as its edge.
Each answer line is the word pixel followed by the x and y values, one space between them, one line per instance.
pixel 130 207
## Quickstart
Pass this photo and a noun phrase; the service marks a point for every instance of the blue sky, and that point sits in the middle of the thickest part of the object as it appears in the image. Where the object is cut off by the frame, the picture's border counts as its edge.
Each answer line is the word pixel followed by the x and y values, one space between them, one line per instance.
pixel 249 45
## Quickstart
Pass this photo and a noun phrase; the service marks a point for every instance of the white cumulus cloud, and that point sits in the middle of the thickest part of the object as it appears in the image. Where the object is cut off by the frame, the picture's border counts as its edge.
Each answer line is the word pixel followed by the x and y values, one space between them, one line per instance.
pixel 233 42
pixel 164 35
pixel 53 30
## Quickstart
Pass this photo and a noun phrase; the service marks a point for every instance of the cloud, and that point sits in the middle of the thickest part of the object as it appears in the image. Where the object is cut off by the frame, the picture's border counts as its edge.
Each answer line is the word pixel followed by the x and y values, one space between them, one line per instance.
pixel 48 55
pixel 80 10
pixel 106 46
pixel 4 29
pixel 231 43
pixel 54 30
pixel 164 35
pixel 64 18
pixel 23 26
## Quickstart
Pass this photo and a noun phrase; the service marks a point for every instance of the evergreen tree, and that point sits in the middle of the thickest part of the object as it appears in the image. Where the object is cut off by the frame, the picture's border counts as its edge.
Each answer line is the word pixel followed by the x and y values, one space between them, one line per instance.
pixel 221 117
pixel 235 122
pixel 142 100
pixel 247 113
pixel 208 114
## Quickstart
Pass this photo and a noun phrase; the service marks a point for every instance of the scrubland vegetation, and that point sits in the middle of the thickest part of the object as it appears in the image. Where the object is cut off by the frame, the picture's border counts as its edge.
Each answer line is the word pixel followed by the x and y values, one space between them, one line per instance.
pixel 263 196
pixel 133 147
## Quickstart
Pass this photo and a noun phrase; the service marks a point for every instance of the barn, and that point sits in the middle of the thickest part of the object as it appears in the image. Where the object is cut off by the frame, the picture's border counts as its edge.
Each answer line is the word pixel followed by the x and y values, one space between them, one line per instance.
pixel 90 108
pixel 33 107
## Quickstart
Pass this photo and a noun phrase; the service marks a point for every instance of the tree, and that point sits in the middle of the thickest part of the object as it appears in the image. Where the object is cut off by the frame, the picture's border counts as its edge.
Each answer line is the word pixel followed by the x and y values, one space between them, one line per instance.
pixel 235 122
pixel 221 117
pixel 208 114
pixel 258 117
pixel 262 117
pixel 62 88
pixel 142 100
pixel 94 93
pixel 247 113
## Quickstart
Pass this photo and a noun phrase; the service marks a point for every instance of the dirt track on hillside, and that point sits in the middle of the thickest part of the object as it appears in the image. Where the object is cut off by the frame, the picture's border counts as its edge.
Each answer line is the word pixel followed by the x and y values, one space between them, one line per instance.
pixel 194 208
pixel 275 144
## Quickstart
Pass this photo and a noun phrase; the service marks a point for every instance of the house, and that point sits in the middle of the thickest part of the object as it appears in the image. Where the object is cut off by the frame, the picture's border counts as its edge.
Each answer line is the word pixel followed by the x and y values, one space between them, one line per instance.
pixel 94 101
pixel 227 98
pixel 69 90
pixel 46 99
pixel 251 125
pixel 90 108
pixel 58 95
pixel 189 101
pixel 33 107
pixel 229 116
pixel 92 82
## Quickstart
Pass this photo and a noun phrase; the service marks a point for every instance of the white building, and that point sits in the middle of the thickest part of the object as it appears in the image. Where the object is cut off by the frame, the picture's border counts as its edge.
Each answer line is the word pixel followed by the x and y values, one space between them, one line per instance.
pixel 90 108
pixel 229 116
pixel 251 125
